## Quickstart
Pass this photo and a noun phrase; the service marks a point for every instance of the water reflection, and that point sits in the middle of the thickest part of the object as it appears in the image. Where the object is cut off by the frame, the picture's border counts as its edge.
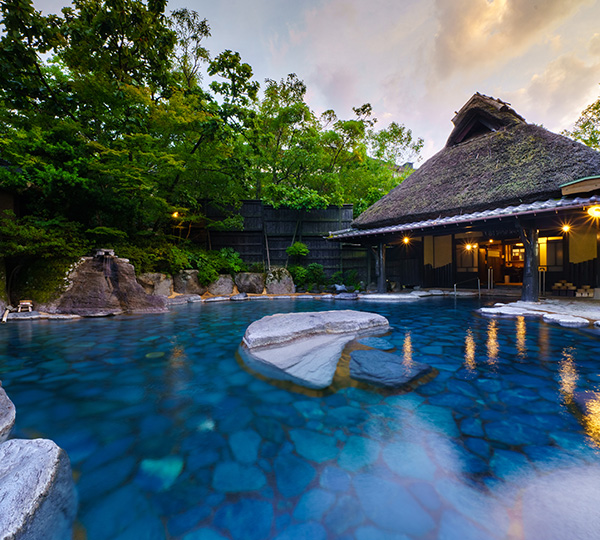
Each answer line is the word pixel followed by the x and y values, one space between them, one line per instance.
pixel 470 351
pixel 407 351
pixel 592 417
pixel 567 372
pixel 521 337
pixel 492 342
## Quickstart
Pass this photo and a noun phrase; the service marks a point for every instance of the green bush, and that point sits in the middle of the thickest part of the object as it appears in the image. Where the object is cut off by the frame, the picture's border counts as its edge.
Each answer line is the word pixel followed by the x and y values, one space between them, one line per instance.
pixel 348 278
pixel 299 274
pixel 297 249
pixel 315 274
pixel 228 261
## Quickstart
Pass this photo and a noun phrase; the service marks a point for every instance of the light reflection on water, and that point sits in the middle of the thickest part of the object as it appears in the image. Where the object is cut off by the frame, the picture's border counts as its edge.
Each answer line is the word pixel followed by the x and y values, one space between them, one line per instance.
pixel 521 337
pixel 407 351
pixel 492 342
pixel 470 363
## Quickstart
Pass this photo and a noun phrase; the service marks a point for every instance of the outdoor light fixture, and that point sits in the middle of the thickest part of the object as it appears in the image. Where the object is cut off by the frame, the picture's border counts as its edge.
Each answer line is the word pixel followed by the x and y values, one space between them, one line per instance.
pixel 594 211
pixel 175 214
pixel 566 227
pixel 491 241
pixel 406 239
pixel 469 247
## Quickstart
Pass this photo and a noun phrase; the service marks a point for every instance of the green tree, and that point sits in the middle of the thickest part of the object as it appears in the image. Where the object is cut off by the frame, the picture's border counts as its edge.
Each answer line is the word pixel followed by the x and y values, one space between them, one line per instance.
pixel 587 127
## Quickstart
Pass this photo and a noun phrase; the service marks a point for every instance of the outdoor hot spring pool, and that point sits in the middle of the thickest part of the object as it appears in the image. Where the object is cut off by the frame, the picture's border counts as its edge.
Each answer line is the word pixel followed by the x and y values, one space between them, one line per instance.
pixel 169 437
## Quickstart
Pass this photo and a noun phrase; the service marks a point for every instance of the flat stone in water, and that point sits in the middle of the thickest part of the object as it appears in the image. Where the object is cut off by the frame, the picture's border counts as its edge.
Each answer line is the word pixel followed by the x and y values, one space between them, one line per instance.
pixel 250 519
pixel 204 533
pixel 293 474
pixel 358 452
pixel 232 477
pixel 384 369
pixel 372 533
pixel 409 460
pixel 303 531
pixel 334 479
pixel 159 474
pixel 346 514
pixel 244 445
pixel 314 446
pixel 313 505
pixel 455 525
pixel 514 433
pixel 391 506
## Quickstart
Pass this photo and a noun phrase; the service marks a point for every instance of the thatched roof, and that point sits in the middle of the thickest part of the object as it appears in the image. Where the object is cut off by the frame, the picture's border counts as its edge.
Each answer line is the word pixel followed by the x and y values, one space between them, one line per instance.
pixel 493 158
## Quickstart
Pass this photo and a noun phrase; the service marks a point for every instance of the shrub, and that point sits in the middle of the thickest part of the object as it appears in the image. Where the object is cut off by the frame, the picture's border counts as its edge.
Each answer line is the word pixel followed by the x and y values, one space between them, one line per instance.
pixel 299 274
pixel 316 274
pixel 297 249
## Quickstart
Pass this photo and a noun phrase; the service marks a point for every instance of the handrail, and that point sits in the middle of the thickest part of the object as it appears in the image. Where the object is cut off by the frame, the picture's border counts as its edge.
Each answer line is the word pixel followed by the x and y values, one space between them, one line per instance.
pixel 467 281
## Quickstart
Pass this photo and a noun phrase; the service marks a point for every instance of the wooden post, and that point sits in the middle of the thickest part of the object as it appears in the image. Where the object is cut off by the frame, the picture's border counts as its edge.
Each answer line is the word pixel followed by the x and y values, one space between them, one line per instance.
pixel 530 291
pixel 381 281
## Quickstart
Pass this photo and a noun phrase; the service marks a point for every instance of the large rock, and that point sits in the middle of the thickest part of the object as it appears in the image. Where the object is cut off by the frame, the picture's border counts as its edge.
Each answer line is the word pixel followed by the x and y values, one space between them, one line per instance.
pixel 385 369
pixel 222 287
pixel 279 281
pixel 7 415
pixel 283 328
pixel 186 282
pixel 305 347
pixel 249 282
pixel 156 284
pixel 105 286
pixel 37 495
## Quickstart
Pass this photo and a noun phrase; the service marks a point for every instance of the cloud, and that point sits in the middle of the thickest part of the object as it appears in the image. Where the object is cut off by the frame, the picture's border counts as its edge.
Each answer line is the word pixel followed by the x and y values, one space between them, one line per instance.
pixel 556 96
pixel 484 34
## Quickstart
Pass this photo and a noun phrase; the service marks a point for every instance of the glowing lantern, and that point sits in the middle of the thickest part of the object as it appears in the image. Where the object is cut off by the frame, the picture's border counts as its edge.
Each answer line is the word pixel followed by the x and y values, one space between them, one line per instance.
pixel 594 211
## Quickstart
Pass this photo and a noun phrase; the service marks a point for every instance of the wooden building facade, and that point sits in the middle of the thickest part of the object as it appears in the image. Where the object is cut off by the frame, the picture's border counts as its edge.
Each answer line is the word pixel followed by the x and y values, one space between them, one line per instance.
pixel 505 202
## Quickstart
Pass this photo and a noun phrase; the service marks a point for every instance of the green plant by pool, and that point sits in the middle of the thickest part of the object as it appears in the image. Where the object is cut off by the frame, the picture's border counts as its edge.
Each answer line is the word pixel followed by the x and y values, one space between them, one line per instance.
pixel 169 437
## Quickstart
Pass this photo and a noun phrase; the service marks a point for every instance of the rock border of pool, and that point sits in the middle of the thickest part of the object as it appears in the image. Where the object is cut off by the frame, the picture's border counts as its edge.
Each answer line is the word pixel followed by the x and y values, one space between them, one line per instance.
pixel 37 493
pixel 566 313
pixel 181 299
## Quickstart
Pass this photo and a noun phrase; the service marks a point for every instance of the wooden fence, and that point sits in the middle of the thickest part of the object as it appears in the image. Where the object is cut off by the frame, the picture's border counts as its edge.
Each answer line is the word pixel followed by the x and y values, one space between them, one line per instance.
pixel 268 232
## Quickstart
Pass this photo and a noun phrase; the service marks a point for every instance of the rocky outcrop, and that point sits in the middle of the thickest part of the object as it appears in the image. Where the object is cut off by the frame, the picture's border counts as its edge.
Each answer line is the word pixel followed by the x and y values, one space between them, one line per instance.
pixel 186 282
pixel 7 415
pixel 279 281
pixel 156 284
pixel 250 282
pixel 385 369
pixel 37 494
pixel 222 287
pixel 105 286
pixel 305 348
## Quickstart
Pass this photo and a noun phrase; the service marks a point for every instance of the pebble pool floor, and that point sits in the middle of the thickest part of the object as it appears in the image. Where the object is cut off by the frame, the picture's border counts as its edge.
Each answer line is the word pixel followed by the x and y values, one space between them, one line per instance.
pixel 170 438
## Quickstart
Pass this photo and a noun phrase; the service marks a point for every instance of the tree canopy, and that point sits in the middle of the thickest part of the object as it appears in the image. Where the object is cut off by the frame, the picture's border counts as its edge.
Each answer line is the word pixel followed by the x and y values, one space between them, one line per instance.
pixel 114 118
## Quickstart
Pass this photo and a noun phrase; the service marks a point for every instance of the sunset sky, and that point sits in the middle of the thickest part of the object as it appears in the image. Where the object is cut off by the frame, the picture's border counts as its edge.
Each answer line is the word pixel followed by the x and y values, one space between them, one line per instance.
pixel 417 61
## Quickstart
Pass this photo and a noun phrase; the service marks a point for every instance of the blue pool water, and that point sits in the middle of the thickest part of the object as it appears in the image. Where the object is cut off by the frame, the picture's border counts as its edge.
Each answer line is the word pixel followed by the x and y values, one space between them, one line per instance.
pixel 169 437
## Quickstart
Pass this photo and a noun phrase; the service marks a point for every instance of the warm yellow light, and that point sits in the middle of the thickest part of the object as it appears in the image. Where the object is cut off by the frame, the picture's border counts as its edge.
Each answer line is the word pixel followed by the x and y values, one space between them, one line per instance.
pixel 566 228
pixel 491 241
pixel 175 214
pixel 594 211
pixel 468 247
pixel 406 239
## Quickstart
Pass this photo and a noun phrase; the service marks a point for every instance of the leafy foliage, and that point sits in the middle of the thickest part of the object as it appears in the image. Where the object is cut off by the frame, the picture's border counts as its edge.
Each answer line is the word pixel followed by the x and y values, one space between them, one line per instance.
pixel 108 137
pixel 587 127
pixel 297 249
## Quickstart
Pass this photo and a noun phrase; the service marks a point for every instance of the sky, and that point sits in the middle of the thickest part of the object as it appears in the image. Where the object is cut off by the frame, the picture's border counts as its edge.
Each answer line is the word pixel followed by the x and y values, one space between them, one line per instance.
pixel 416 62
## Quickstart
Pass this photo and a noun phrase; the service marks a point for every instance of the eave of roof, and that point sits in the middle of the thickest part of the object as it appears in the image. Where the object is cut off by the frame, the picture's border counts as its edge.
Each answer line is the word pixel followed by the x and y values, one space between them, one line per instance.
pixel 551 205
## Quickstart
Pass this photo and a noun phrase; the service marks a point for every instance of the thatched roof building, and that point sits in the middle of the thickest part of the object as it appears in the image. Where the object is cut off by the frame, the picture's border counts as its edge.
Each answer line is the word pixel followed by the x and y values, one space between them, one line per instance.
pixel 492 159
